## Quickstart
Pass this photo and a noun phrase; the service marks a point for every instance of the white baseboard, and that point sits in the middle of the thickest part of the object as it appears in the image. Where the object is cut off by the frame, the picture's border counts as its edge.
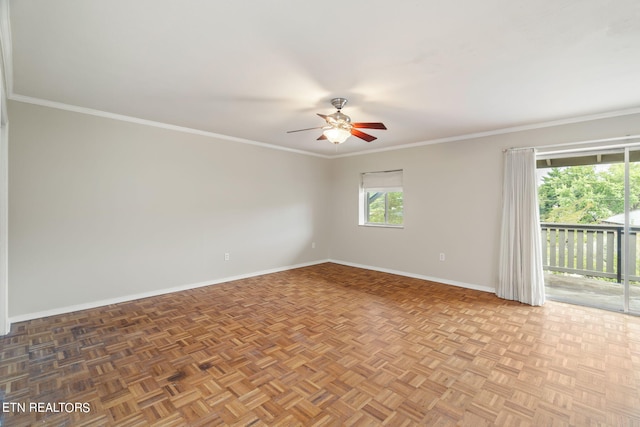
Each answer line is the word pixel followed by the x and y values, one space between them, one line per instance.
pixel 418 276
pixel 126 298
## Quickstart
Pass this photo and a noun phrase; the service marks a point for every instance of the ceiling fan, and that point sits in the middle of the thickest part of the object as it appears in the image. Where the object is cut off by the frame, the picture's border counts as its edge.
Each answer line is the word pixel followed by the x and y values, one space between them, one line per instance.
pixel 339 126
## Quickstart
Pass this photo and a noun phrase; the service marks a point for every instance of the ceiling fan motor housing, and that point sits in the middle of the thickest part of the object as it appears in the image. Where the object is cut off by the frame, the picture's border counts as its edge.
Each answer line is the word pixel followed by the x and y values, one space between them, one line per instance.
pixel 339 119
pixel 339 103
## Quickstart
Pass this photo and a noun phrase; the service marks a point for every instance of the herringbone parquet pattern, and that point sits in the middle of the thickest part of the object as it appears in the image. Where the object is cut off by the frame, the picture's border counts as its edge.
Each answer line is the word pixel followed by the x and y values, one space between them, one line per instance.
pixel 327 345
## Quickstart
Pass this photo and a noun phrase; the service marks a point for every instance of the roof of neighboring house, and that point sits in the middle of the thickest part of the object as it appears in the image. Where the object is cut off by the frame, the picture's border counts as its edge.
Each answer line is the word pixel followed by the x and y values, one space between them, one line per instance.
pixel 634 218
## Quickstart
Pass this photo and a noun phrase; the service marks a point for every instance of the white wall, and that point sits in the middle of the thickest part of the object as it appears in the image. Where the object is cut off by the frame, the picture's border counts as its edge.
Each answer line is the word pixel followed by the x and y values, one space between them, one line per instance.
pixel 452 196
pixel 102 209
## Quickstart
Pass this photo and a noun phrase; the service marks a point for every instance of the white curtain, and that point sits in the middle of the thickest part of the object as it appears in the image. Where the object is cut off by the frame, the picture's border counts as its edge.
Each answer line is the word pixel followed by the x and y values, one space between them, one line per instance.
pixel 521 278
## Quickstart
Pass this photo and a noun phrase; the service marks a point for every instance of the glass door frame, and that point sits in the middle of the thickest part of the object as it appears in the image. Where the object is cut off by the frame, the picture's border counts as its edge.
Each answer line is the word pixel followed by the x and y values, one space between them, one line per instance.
pixel 624 149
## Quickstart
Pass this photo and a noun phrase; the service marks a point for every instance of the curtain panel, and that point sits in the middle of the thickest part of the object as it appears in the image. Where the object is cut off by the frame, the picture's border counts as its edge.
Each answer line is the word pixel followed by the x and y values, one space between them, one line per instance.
pixel 520 277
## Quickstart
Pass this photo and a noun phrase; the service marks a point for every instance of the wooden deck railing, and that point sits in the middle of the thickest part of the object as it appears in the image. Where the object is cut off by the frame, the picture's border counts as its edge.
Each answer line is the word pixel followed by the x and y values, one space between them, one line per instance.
pixel 589 250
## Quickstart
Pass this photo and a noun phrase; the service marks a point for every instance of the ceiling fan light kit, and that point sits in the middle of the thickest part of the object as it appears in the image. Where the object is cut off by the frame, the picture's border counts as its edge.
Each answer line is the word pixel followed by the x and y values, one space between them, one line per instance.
pixel 337 135
pixel 339 126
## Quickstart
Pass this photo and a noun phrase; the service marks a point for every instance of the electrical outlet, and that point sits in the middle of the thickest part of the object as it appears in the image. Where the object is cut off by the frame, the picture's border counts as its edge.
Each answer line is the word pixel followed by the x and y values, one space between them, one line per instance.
pixel 226 256
pixel 442 256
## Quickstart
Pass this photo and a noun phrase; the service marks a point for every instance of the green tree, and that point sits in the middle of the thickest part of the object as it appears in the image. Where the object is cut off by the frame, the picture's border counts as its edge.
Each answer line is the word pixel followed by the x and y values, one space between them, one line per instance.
pixel 396 208
pixel 615 176
pixel 381 203
pixel 376 207
pixel 586 195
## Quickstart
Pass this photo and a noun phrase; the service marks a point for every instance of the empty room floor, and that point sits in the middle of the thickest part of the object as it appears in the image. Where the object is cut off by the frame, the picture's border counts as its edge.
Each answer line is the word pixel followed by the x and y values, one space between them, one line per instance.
pixel 323 345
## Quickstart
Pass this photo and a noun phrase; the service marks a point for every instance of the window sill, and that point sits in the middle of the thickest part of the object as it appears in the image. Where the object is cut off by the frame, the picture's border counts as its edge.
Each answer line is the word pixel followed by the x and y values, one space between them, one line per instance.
pixel 381 225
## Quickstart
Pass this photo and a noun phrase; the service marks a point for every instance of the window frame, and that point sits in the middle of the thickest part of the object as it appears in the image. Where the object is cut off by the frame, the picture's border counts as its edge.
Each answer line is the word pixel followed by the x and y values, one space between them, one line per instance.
pixel 385 190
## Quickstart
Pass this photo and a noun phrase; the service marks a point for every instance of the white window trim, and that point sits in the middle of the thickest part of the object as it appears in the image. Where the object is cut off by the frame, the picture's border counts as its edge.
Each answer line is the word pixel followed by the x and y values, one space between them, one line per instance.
pixel 380 181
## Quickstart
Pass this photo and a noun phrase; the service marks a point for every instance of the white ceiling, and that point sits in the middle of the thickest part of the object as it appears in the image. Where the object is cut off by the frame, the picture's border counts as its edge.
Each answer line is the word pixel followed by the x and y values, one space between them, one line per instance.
pixel 253 69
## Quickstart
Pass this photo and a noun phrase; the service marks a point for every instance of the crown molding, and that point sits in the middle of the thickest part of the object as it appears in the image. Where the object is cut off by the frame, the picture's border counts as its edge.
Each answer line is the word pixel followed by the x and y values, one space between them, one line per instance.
pixel 124 118
pixel 514 129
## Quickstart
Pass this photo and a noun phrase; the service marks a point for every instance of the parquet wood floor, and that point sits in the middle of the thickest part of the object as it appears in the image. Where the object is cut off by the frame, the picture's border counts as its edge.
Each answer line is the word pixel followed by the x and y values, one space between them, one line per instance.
pixel 326 345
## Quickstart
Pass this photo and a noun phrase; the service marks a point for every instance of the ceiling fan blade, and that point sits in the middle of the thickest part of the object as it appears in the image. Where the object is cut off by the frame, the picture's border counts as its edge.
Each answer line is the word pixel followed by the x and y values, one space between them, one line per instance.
pixel 300 130
pixel 362 135
pixel 321 137
pixel 324 116
pixel 376 125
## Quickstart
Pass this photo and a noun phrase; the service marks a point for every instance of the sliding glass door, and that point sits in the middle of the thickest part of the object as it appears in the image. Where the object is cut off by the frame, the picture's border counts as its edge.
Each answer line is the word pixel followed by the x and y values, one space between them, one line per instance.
pixel 589 210
pixel 632 244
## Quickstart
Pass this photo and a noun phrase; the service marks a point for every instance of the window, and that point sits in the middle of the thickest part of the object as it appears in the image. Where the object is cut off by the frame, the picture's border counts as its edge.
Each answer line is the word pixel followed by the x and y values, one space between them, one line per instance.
pixel 381 199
